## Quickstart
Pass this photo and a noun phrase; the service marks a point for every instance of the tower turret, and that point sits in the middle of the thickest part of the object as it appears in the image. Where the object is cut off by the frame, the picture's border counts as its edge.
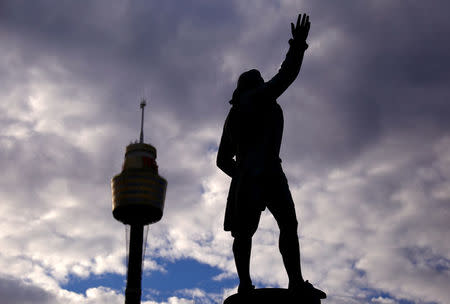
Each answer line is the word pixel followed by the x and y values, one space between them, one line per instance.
pixel 138 191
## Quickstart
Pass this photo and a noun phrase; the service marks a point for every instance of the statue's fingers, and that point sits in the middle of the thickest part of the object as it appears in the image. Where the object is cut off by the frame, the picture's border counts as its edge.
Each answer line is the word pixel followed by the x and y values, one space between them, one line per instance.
pixel 298 20
pixel 292 29
pixel 303 22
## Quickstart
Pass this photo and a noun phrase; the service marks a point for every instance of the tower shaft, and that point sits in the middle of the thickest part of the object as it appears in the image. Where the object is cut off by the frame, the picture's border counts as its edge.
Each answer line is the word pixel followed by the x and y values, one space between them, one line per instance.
pixel 134 275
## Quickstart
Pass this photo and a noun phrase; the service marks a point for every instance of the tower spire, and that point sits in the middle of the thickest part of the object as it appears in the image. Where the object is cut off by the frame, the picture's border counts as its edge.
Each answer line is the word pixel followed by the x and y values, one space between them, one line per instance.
pixel 143 104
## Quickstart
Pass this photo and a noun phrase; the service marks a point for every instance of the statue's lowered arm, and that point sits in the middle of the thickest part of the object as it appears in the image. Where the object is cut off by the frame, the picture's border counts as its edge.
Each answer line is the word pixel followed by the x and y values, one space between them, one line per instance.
pixel 225 156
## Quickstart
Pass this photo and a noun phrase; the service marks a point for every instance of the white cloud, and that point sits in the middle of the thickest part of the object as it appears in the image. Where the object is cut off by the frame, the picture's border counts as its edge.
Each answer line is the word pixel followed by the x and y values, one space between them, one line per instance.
pixel 381 300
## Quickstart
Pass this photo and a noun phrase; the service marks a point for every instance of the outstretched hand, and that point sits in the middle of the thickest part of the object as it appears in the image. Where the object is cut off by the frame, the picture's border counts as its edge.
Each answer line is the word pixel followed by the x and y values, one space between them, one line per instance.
pixel 301 29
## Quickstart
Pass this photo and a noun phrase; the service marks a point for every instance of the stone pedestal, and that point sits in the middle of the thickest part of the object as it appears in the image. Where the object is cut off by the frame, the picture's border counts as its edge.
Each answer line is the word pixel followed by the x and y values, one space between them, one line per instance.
pixel 272 296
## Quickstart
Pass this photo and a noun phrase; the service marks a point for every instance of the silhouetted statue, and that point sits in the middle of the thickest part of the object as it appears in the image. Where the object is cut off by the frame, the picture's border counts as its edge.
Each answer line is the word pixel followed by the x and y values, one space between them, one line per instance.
pixel 249 154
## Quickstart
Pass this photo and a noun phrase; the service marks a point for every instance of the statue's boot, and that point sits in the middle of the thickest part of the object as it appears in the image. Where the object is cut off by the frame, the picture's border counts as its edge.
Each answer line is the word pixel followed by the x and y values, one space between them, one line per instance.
pixel 307 289
pixel 245 288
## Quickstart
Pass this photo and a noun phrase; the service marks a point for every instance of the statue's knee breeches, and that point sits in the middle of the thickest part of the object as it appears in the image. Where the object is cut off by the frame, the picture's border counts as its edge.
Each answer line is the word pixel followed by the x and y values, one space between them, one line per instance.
pixel 247 225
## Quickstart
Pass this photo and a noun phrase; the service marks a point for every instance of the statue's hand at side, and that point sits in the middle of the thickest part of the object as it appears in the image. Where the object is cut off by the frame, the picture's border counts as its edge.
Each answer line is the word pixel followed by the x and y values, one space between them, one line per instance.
pixel 301 29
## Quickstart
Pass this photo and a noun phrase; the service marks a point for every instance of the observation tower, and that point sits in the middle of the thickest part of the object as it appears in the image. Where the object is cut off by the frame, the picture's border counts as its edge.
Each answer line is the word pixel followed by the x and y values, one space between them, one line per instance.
pixel 138 195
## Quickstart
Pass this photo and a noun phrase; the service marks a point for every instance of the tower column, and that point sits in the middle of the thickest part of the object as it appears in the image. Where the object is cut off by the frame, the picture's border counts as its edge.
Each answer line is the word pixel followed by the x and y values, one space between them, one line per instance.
pixel 134 275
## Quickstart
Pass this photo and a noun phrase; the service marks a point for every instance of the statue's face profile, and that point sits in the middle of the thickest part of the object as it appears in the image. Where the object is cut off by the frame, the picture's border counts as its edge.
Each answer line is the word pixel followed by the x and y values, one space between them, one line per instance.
pixel 250 80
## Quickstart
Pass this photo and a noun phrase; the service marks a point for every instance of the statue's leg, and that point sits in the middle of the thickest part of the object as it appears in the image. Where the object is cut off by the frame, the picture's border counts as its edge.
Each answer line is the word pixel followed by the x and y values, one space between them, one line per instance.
pixel 290 251
pixel 282 207
pixel 242 247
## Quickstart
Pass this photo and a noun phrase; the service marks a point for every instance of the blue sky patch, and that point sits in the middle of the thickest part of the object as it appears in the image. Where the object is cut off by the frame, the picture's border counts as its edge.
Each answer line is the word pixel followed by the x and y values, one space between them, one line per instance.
pixel 182 274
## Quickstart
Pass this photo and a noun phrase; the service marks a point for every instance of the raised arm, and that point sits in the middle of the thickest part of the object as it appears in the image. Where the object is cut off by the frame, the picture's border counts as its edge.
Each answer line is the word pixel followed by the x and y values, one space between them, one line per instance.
pixel 293 61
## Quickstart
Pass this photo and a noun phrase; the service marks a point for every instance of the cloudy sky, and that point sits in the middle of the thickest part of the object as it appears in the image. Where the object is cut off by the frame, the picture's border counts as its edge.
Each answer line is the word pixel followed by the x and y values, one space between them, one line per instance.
pixel 366 146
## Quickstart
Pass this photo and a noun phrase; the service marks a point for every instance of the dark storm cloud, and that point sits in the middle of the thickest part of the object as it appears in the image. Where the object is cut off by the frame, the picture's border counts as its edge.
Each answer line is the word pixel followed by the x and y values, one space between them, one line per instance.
pixel 386 61
pixel 16 292
pixel 173 49
pixel 385 72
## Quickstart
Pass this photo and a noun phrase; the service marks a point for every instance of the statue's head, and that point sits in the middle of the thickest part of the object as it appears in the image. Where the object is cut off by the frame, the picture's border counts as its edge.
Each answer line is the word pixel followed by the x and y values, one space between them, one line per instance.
pixel 247 81
pixel 250 80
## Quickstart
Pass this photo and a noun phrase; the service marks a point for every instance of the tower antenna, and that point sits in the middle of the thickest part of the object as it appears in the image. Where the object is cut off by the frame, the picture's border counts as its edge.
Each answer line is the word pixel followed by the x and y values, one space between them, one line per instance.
pixel 143 104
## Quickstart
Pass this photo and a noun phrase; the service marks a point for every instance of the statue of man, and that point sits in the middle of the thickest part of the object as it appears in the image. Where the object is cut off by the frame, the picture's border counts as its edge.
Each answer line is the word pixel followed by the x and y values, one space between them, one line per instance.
pixel 249 154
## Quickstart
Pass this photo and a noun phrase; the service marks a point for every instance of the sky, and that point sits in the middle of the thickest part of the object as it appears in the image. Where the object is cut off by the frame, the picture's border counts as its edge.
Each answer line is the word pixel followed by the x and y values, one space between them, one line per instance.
pixel 366 146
